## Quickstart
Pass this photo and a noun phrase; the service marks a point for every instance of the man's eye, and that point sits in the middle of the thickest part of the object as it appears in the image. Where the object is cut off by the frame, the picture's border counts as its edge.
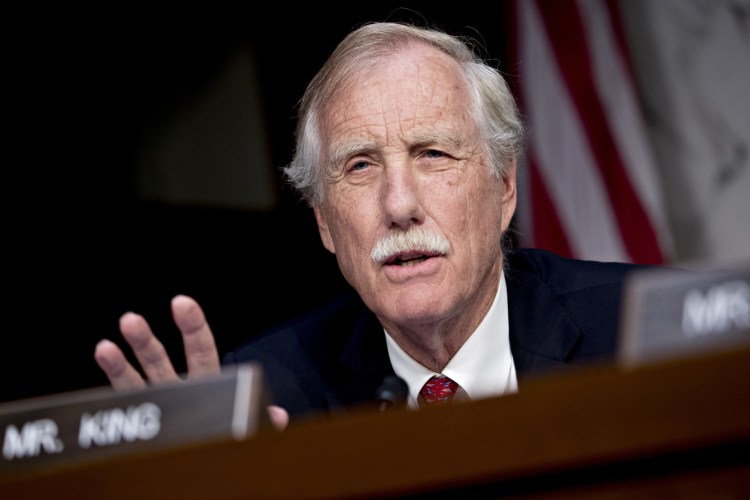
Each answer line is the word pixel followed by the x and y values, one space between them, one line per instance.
pixel 433 153
pixel 360 165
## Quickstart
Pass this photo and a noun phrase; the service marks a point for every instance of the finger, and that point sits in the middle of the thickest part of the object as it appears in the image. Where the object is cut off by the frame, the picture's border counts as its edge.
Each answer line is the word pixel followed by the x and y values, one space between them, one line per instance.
pixel 119 371
pixel 279 417
pixel 200 347
pixel 147 349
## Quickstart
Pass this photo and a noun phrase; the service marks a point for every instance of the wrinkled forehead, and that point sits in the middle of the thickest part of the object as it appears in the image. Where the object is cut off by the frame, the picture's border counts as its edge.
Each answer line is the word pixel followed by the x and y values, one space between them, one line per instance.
pixel 417 89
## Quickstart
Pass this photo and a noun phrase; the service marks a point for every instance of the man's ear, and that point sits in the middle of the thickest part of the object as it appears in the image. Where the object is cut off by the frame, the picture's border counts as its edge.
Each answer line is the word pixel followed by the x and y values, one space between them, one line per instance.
pixel 510 193
pixel 325 232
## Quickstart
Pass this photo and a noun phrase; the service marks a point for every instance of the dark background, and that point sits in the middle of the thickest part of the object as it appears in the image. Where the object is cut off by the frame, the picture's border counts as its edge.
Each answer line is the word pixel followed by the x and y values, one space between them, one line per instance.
pixel 82 247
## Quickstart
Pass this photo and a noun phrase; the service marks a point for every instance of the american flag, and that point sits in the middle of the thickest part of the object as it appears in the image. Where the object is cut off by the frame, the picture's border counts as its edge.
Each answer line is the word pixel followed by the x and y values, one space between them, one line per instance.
pixel 589 187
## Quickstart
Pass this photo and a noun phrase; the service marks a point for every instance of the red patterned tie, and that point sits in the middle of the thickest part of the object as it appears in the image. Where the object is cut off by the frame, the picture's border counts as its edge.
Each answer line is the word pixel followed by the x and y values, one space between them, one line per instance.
pixel 437 391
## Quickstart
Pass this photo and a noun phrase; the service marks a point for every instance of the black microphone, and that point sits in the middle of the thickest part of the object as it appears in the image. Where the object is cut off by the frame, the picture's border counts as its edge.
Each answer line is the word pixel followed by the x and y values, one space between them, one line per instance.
pixel 392 393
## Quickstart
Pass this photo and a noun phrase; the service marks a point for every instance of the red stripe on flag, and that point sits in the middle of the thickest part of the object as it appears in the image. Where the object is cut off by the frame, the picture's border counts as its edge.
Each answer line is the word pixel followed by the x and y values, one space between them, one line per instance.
pixel 512 51
pixel 566 33
pixel 547 230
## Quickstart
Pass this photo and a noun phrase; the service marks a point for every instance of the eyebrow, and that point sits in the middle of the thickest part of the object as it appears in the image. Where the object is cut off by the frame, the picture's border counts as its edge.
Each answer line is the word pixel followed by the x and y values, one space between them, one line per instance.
pixel 422 140
pixel 342 152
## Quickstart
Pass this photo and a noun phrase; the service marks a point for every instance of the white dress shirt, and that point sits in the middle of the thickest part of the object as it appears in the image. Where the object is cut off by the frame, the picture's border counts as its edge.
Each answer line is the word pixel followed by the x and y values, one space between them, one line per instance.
pixel 483 366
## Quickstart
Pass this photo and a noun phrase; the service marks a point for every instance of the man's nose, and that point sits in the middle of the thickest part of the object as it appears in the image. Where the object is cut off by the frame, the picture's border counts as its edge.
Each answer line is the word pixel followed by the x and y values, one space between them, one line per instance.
pixel 402 197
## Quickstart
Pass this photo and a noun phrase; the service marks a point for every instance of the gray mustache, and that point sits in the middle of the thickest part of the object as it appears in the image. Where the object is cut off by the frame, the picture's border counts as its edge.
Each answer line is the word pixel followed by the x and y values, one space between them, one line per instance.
pixel 414 239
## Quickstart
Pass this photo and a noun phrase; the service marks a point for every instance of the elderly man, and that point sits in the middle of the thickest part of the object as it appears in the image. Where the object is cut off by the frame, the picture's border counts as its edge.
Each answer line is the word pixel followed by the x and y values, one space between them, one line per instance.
pixel 407 145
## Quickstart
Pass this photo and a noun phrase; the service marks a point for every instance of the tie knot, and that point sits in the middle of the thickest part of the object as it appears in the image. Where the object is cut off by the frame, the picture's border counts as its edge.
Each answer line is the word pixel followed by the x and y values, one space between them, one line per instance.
pixel 439 390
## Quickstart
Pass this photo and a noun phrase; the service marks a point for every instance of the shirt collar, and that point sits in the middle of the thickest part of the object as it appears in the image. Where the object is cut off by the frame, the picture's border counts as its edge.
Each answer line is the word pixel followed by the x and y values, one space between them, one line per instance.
pixel 483 366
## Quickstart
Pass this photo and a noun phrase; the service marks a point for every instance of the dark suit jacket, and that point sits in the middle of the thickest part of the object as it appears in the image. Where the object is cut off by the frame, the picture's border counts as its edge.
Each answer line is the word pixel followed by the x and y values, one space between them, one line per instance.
pixel 562 312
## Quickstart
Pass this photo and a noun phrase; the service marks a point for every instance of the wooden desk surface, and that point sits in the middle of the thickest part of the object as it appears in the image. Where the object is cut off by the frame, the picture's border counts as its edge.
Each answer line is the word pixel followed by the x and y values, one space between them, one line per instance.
pixel 678 429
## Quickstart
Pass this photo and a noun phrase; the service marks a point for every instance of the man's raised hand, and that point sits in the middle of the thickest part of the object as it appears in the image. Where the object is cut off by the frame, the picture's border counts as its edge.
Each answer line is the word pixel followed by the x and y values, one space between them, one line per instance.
pixel 200 352
pixel 200 348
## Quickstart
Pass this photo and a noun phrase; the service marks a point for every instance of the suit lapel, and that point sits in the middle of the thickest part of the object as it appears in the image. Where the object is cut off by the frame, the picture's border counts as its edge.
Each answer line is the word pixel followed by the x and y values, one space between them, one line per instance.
pixel 365 364
pixel 542 335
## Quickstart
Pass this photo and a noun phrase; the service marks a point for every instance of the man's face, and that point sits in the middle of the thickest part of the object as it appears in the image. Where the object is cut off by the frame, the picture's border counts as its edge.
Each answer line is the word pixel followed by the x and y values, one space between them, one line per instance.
pixel 406 154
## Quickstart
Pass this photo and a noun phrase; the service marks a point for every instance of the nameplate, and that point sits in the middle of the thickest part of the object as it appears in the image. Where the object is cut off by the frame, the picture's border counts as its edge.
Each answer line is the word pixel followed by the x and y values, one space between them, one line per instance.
pixel 93 424
pixel 672 313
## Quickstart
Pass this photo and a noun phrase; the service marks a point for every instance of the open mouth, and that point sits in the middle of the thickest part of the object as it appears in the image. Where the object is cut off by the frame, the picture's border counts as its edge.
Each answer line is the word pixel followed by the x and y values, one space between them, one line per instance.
pixel 407 259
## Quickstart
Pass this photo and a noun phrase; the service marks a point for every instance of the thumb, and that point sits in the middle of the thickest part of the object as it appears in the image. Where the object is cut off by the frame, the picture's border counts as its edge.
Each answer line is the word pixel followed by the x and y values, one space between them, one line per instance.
pixel 279 417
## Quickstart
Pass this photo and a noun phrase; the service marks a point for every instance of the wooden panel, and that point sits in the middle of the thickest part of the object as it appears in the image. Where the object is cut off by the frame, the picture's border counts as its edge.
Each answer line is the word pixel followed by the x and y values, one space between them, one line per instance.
pixel 678 428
